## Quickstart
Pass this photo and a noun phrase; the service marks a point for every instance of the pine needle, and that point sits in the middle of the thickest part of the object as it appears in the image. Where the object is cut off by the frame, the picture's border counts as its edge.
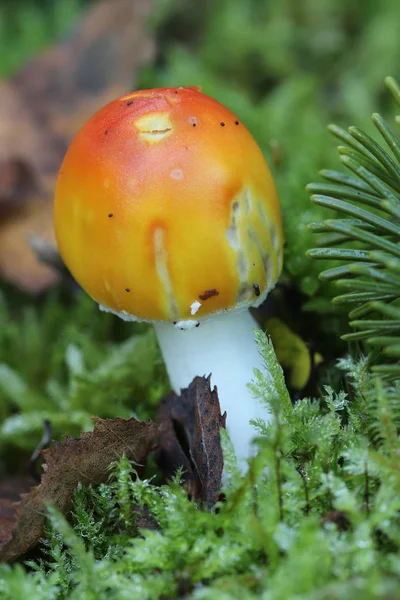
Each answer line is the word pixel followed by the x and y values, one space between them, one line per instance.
pixel 369 240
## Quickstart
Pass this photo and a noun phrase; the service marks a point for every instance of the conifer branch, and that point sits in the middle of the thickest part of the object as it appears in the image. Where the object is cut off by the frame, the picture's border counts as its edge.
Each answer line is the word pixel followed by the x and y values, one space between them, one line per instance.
pixel 367 240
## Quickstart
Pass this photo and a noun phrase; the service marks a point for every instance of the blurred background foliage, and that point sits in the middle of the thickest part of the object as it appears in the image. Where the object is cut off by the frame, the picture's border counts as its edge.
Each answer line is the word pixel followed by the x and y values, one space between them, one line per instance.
pixel 28 26
pixel 287 68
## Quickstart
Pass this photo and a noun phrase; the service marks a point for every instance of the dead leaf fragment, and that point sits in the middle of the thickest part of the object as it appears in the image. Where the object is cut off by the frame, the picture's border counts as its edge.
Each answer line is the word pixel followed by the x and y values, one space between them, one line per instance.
pixel 18 263
pixel 17 181
pixel 42 108
pixel 188 435
pixel 95 64
pixel 48 254
pixel 338 517
pixel 10 491
pixel 85 459
pixel 190 439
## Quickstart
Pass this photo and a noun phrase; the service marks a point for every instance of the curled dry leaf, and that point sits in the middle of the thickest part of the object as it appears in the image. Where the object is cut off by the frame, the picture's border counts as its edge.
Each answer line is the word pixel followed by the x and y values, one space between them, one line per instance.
pixel 86 460
pixel 190 439
pixel 40 111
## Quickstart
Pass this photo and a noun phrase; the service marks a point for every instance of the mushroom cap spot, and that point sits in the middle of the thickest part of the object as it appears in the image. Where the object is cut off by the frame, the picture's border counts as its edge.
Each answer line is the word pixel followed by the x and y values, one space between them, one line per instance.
pixel 177 174
pixel 154 127
pixel 220 221
pixel 194 307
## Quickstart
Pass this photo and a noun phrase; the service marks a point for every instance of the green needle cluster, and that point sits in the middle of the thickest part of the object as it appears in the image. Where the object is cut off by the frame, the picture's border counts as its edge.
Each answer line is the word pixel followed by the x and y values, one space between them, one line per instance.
pixel 367 237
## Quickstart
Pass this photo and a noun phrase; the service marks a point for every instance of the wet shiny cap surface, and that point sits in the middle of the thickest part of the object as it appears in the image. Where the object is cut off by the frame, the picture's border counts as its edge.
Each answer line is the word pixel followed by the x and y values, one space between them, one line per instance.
pixel 165 209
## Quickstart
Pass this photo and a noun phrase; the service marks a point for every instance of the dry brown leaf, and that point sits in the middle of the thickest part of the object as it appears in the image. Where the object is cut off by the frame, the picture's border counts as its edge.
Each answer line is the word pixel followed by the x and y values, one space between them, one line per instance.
pixel 17 181
pixel 42 108
pixel 86 460
pixel 22 138
pixel 170 454
pixel 10 491
pixel 94 65
pixel 18 263
pixel 188 435
pixel 190 439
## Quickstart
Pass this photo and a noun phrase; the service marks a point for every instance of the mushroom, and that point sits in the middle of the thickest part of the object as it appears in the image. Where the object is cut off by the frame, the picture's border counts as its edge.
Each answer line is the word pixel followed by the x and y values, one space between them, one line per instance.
pixel 166 211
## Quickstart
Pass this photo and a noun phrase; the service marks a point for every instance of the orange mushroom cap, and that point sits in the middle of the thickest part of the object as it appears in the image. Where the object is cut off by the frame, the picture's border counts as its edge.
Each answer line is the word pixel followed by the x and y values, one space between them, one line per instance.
pixel 165 208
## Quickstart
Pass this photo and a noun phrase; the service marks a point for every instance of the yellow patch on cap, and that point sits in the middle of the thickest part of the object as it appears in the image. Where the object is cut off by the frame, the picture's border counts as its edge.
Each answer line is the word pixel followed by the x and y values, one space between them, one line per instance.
pixel 154 127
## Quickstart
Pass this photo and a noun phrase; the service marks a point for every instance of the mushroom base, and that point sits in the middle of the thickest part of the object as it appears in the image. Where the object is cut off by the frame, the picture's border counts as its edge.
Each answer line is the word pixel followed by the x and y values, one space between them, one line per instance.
pixel 224 346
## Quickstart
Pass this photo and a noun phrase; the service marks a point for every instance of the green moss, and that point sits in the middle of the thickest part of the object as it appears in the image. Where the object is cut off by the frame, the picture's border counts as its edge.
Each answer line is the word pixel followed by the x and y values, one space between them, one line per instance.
pixel 64 361
pixel 317 515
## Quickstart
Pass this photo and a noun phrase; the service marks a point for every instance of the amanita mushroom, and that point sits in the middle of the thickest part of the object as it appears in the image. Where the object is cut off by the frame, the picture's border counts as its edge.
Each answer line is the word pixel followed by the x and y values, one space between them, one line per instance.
pixel 166 211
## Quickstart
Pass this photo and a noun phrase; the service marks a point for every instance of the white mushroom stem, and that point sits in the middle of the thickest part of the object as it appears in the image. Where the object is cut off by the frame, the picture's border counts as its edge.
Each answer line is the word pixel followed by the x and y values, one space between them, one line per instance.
pixel 224 346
